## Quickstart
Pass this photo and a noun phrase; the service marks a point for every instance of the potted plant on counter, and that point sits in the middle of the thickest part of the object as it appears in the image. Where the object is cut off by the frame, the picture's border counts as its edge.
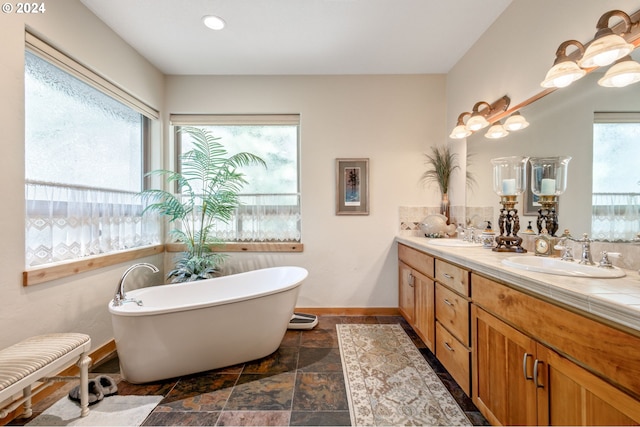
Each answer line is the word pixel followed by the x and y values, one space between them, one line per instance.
pixel 207 188
pixel 441 163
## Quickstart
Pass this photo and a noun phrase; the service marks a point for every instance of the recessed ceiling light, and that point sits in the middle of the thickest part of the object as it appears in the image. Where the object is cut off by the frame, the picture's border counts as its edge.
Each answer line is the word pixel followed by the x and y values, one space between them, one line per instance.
pixel 213 22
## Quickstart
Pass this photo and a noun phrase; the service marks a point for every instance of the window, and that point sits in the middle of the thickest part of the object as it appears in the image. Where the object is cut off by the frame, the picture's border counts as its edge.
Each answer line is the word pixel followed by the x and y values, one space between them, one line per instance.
pixel 270 202
pixel 616 179
pixel 84 151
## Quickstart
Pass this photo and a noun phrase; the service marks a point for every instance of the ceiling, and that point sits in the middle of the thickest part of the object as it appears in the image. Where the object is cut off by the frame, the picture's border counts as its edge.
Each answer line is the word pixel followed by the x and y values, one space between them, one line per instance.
pixel 284 37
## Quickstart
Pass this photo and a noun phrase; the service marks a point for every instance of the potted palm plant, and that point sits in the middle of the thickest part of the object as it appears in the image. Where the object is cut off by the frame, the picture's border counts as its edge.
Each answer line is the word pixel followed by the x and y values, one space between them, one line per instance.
pixel 441 163
pixel 207 189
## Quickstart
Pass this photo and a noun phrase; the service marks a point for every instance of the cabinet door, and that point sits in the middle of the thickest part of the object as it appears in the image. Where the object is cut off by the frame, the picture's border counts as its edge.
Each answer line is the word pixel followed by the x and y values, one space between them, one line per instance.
pixel 425 309
pixel 570 395
pixel 503 385
pixel 406 302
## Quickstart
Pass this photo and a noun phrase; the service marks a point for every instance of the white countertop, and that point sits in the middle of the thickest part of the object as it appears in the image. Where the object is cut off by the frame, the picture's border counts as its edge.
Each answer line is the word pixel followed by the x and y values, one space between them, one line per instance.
pixel 616 300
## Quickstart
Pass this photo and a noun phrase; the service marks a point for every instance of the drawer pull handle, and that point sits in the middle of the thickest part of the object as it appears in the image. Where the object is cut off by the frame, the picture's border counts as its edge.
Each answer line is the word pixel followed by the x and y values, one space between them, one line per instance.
pixel 524 366
pixel 447 276
pixel 535 373
pixel 448 347
pixel 446 301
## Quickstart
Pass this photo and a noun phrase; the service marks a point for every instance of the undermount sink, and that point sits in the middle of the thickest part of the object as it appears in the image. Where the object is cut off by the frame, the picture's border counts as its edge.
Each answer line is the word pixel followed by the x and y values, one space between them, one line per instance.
pixel 454 243
pixel 562 268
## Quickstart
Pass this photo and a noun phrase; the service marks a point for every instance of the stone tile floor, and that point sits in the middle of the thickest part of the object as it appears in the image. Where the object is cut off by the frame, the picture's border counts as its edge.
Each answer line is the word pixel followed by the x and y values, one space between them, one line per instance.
pixel 300 384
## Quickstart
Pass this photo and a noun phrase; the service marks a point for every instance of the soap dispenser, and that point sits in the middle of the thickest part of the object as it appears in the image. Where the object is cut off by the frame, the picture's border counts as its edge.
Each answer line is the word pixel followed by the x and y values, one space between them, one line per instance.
pixel 488 236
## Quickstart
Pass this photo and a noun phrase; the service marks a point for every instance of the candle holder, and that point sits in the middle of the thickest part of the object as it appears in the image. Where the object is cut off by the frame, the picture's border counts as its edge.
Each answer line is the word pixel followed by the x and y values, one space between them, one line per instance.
pixel 509 180
pixel 548 181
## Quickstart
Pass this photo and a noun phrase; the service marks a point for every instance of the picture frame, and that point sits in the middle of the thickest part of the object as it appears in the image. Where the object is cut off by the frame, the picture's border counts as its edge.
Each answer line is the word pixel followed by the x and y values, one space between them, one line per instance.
pixel 352 186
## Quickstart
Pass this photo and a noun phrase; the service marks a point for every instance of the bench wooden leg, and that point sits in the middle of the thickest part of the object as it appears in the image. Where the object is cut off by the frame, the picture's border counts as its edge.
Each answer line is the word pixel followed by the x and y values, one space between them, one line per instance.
pixel 83 364
pixel 26 394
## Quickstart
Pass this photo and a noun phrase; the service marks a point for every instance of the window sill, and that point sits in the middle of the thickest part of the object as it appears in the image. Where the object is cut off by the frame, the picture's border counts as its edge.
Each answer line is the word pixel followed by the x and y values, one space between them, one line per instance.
pixel 46 273
pixel 245 247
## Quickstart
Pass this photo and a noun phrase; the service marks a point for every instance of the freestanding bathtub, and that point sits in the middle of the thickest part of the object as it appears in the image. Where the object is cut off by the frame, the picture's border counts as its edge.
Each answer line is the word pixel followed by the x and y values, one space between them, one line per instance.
pixel 192 327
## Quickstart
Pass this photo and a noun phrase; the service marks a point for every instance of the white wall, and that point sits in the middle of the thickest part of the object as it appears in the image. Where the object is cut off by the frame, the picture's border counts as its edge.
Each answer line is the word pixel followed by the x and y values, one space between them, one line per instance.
pixel 391 120
pixel 78 303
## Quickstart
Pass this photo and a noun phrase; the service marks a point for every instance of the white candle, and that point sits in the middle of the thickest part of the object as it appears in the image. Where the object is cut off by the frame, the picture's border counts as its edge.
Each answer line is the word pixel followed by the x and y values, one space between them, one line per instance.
pixel 508 187
pixel 548 187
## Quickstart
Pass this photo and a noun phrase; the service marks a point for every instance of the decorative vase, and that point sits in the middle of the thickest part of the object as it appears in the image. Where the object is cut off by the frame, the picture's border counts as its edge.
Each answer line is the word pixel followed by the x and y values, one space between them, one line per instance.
pixel 445 206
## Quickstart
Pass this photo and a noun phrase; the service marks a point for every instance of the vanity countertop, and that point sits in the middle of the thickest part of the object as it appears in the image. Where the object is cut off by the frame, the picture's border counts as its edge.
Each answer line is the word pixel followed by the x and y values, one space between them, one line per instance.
pixel 615 300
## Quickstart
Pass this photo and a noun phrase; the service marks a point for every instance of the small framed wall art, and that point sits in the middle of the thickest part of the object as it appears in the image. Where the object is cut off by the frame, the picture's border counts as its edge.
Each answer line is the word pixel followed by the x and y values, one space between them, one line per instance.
pixel 352 186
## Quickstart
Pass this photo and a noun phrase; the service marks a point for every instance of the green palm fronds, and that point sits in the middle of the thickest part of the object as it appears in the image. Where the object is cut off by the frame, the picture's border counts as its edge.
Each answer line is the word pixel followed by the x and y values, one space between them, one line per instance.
pixel 441 163
pixel 207 191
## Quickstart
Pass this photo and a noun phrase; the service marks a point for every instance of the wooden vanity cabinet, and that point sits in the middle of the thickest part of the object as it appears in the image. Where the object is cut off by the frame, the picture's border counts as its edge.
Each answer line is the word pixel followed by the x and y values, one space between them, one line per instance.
pixel 521 380
pixel 416 292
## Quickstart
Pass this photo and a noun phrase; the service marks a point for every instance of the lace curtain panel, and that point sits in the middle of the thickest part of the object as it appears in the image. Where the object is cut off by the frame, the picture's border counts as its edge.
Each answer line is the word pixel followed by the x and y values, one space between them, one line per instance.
pixel 615 216
pixel 65 223
pixel 263 218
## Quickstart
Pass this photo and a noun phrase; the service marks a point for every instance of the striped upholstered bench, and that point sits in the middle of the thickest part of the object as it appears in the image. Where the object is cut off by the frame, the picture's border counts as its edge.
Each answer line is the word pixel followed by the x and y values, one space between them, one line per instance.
pixel 37 359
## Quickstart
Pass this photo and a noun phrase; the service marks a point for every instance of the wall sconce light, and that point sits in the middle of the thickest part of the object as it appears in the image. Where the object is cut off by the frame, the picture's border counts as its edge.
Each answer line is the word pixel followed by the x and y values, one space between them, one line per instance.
pixel 496 131
pixel 623 73
pixel 478 120
pixel 564 71
pixel 607 47
pixel 460 131
pixel 516 122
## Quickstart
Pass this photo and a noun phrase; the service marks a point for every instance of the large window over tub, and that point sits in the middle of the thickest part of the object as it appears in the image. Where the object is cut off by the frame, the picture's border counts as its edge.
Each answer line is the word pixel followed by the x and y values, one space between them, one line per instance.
pixel 270 203
pixel 85 145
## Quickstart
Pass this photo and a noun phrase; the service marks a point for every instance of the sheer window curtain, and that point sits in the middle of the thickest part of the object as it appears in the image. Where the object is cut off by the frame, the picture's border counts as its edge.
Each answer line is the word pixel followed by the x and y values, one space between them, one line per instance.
pixel 615 216
pixel 67 222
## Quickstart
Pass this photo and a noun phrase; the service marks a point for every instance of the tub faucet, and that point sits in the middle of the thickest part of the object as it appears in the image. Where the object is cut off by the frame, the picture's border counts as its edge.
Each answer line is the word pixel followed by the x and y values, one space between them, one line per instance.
pixel 120 298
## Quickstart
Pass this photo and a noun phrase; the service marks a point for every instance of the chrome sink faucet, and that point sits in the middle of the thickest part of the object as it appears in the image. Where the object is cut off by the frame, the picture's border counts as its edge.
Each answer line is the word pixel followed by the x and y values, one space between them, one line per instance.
pixel 120 298
pixel 586 250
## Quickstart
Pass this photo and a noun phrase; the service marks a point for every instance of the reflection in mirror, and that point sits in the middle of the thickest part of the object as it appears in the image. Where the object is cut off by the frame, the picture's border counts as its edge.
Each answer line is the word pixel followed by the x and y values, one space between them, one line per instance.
pixel 561 124
pixel 616 178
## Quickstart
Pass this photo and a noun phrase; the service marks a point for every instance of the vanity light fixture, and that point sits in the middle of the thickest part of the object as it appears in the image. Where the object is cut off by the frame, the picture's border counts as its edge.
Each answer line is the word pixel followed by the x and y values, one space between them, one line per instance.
pixel 516 122
pixel 496 131
pixel 623 73
pixel 607 47
pixel 460 131
pixel 478 120
pixel 565 70
pixel 213 22
pixel 481 116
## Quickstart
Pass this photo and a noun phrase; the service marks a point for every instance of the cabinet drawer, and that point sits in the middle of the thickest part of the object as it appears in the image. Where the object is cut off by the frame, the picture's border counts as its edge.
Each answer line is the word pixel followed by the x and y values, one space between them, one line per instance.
pixel 416 259
pixel 455 357
pixel 452 311
pixel 453 276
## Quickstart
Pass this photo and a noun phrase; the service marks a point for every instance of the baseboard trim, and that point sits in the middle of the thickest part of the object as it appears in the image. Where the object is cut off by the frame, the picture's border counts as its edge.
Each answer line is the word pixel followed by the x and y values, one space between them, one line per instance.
pixel 40 393
pixel 350 311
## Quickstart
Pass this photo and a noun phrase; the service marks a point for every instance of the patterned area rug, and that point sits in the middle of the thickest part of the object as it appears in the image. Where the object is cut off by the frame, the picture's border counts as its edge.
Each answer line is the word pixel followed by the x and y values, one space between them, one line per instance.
pixel 111 411
pixel 389 382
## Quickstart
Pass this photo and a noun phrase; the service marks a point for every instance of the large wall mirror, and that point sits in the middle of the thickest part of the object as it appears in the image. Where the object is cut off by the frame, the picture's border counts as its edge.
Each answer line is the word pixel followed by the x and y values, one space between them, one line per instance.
pixel 562 124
